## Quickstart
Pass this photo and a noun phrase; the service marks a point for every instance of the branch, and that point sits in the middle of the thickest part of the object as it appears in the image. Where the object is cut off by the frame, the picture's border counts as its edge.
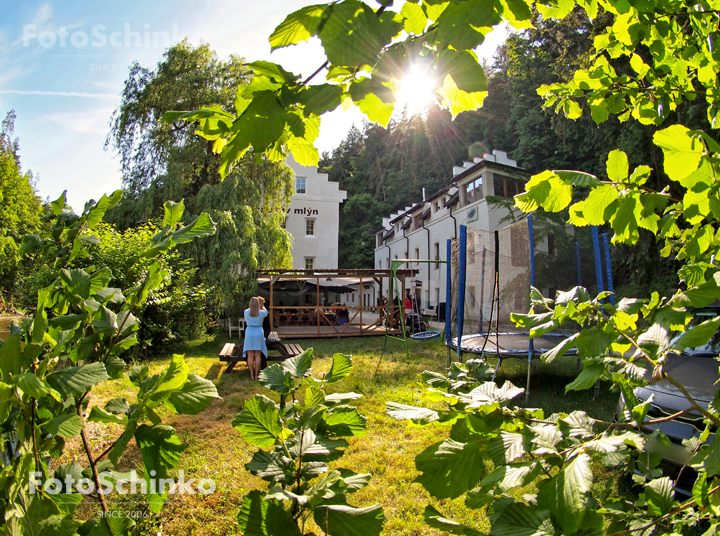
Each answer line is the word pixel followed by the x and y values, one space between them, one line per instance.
pixel 667 516
pixel 88 454
pixel 697 407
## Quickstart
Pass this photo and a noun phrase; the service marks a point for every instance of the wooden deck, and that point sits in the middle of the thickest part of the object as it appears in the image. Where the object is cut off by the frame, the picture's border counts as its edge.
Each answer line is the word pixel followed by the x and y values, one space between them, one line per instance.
pixel 314 332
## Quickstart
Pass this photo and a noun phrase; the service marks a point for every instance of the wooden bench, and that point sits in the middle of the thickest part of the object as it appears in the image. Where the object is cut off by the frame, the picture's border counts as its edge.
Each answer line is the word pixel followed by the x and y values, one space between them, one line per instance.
pixel 232 353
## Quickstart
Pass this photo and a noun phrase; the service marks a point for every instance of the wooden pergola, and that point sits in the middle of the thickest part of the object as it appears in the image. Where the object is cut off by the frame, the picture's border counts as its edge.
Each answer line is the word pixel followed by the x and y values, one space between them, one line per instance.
pixel 322 320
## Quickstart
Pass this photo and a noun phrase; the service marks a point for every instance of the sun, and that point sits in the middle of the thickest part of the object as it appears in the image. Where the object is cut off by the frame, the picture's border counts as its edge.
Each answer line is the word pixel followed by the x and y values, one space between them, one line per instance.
pixel 416 91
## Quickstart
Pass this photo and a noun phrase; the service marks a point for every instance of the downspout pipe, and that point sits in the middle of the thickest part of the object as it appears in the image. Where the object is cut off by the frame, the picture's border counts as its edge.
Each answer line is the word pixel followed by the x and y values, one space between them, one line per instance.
pixel 407 256
pixel 389 255
pixel 454 221
pixel 427 302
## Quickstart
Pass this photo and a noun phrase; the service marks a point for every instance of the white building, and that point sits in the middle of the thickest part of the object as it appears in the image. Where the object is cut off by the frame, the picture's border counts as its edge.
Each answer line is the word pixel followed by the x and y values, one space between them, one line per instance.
pixel 313 218
pixel 421 231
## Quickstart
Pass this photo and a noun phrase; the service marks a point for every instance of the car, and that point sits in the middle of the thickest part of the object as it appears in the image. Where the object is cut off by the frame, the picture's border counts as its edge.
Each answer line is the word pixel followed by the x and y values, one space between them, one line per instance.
pixel 697 370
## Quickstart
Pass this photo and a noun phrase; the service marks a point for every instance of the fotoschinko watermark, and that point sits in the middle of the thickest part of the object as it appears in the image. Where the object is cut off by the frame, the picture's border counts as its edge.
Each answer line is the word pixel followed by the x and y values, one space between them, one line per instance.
pixel 124 485
pixel 101 37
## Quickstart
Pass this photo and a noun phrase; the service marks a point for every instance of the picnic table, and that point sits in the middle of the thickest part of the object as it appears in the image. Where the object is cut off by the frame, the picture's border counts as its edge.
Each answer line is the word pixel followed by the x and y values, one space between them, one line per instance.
pixel 232 353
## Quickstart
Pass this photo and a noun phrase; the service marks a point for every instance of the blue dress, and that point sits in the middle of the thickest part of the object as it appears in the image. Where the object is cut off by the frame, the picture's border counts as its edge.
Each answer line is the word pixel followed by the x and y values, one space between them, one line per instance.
pixel 254 336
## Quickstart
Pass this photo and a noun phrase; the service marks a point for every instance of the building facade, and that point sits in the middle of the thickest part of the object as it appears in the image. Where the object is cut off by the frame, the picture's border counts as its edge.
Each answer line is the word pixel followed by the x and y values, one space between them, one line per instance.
pixel 313 218
pixel 478 196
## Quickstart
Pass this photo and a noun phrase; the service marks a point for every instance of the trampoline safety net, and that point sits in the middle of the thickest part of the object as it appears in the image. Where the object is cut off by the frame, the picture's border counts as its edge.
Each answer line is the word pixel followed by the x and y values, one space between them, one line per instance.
pixel 563 259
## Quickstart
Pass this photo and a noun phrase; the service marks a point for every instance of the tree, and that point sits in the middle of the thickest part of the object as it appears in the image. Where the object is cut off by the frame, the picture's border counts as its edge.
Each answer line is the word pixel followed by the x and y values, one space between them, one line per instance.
pixel 670 48
pixel 161 162
pixel 20 208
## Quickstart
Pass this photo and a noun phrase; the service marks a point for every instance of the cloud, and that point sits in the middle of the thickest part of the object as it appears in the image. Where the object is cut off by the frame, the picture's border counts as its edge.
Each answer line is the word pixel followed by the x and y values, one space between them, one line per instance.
pixel 60 94
pixel 87 122
pixel 43 14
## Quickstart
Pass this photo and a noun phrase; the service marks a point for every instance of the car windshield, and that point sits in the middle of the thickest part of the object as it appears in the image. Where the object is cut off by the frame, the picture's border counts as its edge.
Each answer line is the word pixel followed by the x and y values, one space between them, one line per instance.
pixel 712 348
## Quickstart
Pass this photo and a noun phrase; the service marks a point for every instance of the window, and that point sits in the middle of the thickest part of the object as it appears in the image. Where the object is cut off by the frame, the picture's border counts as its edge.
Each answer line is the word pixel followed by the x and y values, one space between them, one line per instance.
pixel 379 265
pixel 417 256
pixel 309 227
pixel 309 262
pixel 300 185
pixel 436 206
pixel 473 191
pixel 437 254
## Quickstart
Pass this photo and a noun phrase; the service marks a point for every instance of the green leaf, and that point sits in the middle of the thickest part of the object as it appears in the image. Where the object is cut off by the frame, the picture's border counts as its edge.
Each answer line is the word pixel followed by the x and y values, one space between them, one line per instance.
pixel 518 519
pixel 173 380
pixel 259 422
pixel 578 178
pixel 711 464
pixel 450 468
pixel 98 414
pixel 506 448
pixel 76 381
pixel 415 18
pixel 434 519
pixel 299 366
pixel 660 496
pixel 107 324
pixel 321 98
pixel 592 342
pixel 343 421
pixel 195 396
pixel 507 477
pixel 66 426
pixel 698 335
pixel 587 378
pixel 560 349
pixel 341 520
pixel 545 190
pixel 276 378
pixel 161 449
pixel 173 212
pixel 7 397
pixel 271 466
pixel 298 26
pixel 97 212
pixel 617 166
pixel 341 368
pixel 567 494
pixel 34 387
pixel 597 202
pixel 682 152
pixel 463 25
pixel 401 412
pixel 464 69
pixel 352 35
pixel 259 516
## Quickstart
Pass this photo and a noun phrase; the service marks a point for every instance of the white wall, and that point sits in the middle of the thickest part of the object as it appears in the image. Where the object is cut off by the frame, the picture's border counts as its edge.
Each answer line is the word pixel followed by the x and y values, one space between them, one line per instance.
pixel 320 202
pixel 441 227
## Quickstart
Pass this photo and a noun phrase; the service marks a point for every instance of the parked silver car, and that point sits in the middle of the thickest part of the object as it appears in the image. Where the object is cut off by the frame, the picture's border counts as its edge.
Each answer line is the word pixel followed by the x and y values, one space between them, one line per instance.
pixel 697 370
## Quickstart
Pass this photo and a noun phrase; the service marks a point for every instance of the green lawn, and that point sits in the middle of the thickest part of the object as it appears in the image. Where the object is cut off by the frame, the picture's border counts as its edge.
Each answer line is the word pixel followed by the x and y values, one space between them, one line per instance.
pixel 215 450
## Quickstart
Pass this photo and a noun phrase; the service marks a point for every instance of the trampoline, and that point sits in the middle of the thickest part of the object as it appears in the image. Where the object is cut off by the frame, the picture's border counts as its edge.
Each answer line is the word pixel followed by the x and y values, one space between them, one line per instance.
pixel 508 344
pixel 491 273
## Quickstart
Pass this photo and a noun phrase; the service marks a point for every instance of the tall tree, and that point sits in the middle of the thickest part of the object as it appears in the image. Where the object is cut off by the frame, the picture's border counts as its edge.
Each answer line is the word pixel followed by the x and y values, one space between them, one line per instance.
pixel 20 207
pixel 162 161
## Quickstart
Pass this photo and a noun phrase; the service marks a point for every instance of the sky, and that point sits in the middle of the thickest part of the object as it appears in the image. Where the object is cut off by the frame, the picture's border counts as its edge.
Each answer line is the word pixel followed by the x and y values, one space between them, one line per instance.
pixel 63 65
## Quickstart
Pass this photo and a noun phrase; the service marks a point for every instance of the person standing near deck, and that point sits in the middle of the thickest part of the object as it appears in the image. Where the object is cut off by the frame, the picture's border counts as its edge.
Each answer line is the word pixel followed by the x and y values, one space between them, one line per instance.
pixel 254 346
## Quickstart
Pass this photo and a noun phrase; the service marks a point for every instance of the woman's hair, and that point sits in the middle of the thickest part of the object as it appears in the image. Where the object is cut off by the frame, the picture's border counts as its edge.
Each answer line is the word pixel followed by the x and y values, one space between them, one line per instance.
pixel 254 306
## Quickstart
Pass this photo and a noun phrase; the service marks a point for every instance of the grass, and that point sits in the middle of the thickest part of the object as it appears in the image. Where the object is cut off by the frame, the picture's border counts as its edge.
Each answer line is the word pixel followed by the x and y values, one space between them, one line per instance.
pixel 215 450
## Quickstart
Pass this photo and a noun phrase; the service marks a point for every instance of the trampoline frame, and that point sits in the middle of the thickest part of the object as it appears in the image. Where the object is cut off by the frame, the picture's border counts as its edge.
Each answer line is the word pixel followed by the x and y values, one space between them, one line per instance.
pixel 456 342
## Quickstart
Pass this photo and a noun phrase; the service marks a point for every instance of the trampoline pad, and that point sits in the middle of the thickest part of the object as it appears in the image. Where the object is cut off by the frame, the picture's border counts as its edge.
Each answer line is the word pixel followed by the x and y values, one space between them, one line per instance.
pixel 509 343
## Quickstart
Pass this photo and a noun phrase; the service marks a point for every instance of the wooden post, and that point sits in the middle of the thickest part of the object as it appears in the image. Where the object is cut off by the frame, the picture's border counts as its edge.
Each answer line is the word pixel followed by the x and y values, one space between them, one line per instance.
pixel 317 303
pixel 271 306
pixel 361 304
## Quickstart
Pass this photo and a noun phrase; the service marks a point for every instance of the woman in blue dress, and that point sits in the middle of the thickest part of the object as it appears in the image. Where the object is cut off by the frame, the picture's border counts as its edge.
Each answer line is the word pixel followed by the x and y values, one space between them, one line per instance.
pixel 254 345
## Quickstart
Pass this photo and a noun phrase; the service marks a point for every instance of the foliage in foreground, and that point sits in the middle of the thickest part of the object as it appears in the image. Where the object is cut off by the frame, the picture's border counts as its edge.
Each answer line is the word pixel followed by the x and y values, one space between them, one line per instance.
pixel 50 364
pixel 673 58
pixel 297 440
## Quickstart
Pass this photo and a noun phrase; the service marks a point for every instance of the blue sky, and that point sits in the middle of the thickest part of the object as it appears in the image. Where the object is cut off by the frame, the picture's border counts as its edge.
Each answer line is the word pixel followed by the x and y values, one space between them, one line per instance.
pixel 63 65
